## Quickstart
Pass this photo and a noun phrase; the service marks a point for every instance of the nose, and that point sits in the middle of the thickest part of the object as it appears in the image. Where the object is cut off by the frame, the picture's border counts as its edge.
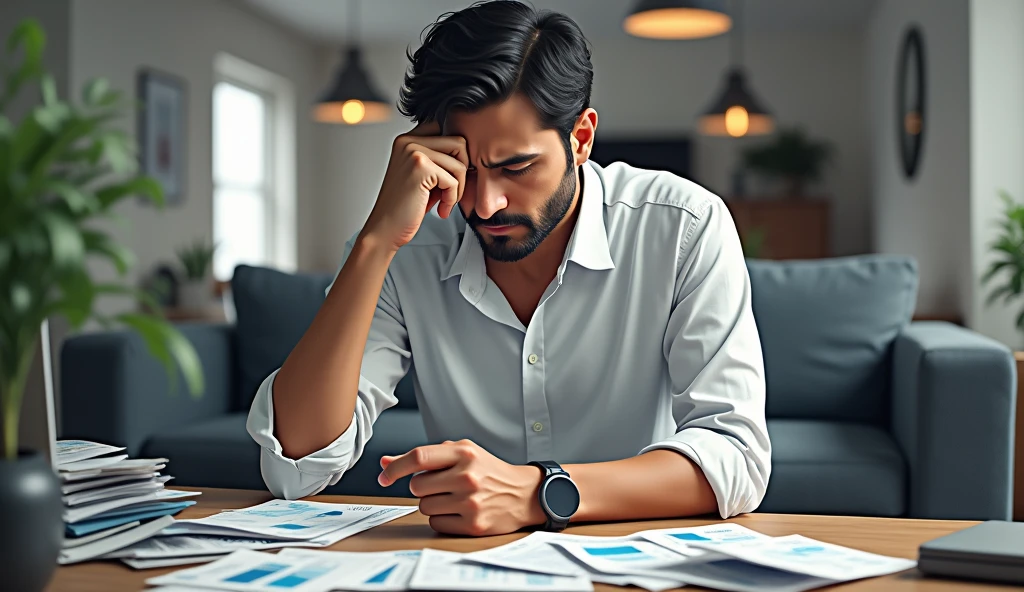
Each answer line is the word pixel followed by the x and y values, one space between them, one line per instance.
pixel 489 196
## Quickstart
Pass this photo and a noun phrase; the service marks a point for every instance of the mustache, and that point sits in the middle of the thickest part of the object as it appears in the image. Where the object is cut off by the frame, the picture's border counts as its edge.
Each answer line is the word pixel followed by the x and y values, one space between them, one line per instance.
pixel 500 219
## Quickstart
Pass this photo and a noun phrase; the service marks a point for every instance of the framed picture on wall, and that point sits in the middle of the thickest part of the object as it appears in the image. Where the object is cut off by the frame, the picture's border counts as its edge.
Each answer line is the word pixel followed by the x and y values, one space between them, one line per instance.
pixel 161 130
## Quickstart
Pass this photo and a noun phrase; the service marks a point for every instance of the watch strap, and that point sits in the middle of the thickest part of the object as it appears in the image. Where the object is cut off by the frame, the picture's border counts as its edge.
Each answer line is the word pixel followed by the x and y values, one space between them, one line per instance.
pixel 550 469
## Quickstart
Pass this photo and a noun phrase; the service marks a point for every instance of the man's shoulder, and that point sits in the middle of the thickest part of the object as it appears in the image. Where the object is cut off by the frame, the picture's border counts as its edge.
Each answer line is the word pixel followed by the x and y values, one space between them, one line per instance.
pixel 634 190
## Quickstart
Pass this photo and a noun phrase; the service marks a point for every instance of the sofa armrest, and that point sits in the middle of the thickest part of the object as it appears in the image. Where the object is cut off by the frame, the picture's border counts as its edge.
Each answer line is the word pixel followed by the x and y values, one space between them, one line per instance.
pixel 113 391
pixel 954 394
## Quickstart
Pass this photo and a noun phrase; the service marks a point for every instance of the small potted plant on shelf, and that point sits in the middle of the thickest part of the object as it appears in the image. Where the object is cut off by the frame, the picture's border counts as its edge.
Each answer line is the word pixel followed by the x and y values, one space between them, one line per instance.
pixel 196 290
pixel 791 158
pixel 63 167
pixel 1008 247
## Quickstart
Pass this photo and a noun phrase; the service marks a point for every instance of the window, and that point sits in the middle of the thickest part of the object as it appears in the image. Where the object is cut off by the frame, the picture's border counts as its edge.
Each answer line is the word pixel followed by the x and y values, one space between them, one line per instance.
pixel 253 168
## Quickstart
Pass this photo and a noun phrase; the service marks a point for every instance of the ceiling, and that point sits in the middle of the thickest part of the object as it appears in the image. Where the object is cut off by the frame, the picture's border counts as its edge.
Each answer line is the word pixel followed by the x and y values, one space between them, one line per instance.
pixel 326 21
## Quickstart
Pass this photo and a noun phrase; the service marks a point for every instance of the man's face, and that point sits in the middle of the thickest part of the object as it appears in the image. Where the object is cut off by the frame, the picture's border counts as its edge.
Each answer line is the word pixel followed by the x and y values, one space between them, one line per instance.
pixel 520 185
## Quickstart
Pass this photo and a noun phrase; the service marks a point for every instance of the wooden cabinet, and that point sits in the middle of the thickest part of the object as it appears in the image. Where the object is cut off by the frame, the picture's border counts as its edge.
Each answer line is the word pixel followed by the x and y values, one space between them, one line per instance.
pixel 785 228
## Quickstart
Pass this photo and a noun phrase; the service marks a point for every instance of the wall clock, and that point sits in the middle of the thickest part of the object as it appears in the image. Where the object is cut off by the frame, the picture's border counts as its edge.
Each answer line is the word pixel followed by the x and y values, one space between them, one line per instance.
pixel 910 101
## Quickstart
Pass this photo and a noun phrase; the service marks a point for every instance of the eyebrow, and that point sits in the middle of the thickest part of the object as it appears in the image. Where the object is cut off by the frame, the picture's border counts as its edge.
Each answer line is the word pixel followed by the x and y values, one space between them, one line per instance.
pixel 512 160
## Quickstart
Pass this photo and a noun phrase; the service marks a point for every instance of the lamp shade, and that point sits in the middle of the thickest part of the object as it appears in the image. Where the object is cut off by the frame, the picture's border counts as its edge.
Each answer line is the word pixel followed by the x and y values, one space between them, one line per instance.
pixel 736 112
pixel 352 99
pixel 677 19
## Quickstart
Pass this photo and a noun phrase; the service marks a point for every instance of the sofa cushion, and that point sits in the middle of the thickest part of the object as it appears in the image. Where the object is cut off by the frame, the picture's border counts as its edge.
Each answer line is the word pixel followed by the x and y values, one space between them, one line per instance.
pixel 220 453
pixel 830 467
pixel 273 310
pixel 827 329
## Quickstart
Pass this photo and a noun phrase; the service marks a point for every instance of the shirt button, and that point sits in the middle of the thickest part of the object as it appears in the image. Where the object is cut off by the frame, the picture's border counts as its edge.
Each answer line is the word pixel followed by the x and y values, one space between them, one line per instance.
pixel 533 360
pixel 538 426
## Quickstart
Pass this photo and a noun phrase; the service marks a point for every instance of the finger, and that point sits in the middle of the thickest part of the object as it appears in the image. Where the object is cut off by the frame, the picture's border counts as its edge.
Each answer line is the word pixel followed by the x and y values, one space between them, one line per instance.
pixel 454 146
pixel 385 461
pixel 422 458
pixel 449 188
pixel 438 505
pixel 425 128
pixel 454 166
pixel 432 483
pixel 455 524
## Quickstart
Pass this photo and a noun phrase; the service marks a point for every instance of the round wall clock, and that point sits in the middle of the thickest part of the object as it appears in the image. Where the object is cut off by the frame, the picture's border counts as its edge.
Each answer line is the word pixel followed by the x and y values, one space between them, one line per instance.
pixel 910 101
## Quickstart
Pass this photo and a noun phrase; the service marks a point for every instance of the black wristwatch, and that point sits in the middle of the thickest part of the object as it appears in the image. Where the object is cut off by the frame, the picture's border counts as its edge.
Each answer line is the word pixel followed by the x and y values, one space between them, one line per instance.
pixel 559 496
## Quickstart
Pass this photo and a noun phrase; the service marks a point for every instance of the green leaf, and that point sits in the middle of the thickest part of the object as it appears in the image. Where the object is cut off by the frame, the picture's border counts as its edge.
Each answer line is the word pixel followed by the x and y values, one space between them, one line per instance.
pixel 48 87
pixel 98 242
pixel 21 297
pixel 66 247
pixel 118 152
pixel 994 269
pixel 168 346
pixel 78 296
pixel 95 91
pixel 29 34
pixel 997 293
pixel 78 201
pixel 141 186
pixel 1020 320
pixel 52 117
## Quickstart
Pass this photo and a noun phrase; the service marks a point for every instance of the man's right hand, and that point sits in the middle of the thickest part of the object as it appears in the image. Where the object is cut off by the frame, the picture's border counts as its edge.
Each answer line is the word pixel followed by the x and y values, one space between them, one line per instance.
pixel 425 169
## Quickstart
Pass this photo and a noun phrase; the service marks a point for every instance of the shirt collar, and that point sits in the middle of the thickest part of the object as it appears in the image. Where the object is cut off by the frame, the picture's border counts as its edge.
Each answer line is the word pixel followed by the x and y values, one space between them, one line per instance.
pixel 587 247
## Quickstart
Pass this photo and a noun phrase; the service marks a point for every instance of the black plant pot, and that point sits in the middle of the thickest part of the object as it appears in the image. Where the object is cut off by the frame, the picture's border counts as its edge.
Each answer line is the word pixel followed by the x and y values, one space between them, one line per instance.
pixel 31 522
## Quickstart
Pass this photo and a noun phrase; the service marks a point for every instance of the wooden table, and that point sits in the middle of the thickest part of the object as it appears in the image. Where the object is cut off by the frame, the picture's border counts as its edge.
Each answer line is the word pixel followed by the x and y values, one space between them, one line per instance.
pixel 896 537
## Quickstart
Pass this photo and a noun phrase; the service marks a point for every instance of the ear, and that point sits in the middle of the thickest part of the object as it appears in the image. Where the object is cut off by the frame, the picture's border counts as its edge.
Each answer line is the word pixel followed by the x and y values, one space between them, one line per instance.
pixel 582 137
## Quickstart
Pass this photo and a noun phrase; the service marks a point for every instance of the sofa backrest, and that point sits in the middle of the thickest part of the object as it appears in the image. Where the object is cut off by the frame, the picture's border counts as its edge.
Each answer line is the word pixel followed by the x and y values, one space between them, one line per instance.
pixel 273 309
pixel 827 327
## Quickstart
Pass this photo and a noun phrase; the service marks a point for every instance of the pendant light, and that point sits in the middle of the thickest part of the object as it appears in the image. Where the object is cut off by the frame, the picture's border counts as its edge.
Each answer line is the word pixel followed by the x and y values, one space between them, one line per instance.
pixel 677 19
pixel 352 99
pixel 737 111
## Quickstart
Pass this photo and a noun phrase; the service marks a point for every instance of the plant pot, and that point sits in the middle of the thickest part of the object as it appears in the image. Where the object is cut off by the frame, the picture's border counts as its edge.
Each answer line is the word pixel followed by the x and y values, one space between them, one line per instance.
pixel 195 294
pixel 31 522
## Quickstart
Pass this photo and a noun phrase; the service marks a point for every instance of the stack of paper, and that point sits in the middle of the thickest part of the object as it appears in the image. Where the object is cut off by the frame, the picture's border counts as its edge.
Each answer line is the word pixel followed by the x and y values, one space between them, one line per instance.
pixel 111 501
pixel 271 525
pixel 723 557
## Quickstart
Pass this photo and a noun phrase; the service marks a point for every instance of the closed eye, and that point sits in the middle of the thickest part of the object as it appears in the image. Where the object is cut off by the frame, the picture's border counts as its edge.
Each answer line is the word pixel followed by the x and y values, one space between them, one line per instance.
pixel 518 172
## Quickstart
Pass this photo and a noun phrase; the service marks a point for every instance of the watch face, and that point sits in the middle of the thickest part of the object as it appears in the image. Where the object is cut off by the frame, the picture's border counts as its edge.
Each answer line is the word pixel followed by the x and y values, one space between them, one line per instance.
pixel 561 496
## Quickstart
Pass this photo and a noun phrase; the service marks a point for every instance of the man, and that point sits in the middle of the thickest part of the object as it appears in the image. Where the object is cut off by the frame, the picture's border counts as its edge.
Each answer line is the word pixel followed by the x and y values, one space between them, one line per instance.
pixel 598 318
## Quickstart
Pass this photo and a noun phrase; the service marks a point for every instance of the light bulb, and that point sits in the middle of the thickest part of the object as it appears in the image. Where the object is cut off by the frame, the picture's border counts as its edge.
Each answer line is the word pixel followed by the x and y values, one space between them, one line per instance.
pixel 353 111
pixel 737 121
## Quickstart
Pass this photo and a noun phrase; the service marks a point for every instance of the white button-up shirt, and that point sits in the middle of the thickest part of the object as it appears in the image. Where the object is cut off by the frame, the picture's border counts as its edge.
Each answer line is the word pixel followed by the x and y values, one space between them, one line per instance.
pixel 644 340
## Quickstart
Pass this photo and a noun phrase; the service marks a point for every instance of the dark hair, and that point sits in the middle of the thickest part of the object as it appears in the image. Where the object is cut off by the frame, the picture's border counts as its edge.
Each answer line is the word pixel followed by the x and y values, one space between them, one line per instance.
pixel 485 53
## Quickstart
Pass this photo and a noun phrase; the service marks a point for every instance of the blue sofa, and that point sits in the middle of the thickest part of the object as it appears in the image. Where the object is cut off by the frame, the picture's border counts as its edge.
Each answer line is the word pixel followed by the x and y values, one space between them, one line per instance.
pixel 868 412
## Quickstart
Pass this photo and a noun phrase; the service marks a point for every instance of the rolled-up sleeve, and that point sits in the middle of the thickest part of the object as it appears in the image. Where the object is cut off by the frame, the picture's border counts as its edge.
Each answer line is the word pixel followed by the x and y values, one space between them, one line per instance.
pixel 716 366
pixel 386 360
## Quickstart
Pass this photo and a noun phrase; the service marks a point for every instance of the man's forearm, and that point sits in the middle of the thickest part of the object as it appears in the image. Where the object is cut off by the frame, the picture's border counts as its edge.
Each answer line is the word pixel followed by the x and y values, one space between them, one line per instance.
pixel 315 390
pixel 657 484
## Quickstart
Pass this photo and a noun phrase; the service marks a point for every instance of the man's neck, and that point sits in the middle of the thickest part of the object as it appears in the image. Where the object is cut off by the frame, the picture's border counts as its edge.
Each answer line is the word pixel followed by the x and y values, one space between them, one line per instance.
pixel 539 267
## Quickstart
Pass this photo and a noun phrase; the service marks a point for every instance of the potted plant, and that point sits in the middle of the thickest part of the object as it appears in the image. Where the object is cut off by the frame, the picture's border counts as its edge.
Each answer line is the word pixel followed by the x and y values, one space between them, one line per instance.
pixel 1008 247
pixel 62 168
pixel 195 291
pixel 791 157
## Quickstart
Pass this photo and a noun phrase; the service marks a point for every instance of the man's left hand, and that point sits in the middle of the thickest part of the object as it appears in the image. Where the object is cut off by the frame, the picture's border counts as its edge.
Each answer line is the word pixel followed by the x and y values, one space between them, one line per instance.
pixel 466 490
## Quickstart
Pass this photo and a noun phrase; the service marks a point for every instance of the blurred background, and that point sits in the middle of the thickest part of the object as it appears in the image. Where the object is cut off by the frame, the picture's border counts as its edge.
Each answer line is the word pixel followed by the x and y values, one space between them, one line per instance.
pixel 859 126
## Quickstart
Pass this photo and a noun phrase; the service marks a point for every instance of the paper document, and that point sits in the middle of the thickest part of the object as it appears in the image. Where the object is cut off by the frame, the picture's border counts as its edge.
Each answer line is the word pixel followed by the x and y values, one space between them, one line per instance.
pixel 443 570
pixel 739 576
pixel 77 514
pixel 86 485
pixel 163 547
pixel 113 471
pixel 383 571
pixel 536 553
pixel 117 517
pixel 82 540
pixel 92 464
pixel 622 557
pixel 288 520
pixel 247 571
pixel 69 451
pixel 113 542
pixel 168 562
pixel 90 495
pixel 802 555
pixel 681 540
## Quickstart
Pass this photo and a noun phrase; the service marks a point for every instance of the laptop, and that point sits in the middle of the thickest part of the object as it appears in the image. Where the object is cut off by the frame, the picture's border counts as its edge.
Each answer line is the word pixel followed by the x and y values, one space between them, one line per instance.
pixel 37 428
pixel 992 550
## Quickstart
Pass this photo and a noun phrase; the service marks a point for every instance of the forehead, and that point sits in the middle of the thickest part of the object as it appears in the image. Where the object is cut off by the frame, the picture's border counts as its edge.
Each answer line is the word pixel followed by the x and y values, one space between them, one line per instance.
pixel 511 126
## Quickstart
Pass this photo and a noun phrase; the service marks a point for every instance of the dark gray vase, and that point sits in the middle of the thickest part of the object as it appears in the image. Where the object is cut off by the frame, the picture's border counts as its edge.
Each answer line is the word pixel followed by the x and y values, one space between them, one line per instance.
pixel 31 522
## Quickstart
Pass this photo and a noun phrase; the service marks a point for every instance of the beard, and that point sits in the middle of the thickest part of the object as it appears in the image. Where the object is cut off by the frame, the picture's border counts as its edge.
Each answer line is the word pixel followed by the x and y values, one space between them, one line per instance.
pixel 507 249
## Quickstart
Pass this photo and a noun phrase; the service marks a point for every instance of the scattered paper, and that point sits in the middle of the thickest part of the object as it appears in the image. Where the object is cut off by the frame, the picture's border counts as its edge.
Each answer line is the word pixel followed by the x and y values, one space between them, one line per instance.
pixel 738 576
pixel 82 540
pixel 69 451
pixel 115 471
pixel 118 517
pixel 291 520
pixel 387 571
pixel 86 485
pixel 113 542
pixel 443 570
pixel 681 540
pixel 90 495
pixel 72 515
pixel 163 547
pixel 92 464
pixel 168 562
pixel 799 554
pixel 622 557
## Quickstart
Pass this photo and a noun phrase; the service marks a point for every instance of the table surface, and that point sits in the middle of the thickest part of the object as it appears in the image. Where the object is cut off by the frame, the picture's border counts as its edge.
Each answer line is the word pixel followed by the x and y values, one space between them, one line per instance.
pixel 887 536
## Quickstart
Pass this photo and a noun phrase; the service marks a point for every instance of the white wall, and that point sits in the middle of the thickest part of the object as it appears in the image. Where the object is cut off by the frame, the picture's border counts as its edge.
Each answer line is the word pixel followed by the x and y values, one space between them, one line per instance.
pixel 657 88
pixel 929 216
pixel 115 38
pixel 997 146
